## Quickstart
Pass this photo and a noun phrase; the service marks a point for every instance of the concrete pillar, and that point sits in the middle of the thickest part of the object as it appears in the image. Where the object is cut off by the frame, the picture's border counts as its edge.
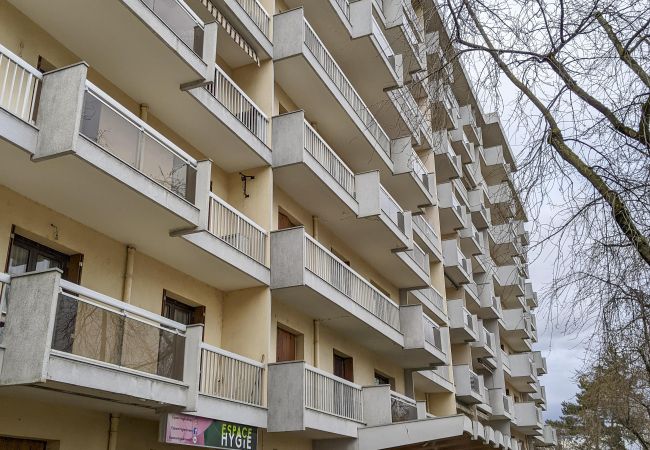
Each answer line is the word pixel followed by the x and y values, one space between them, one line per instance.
pixel 210 33
pixel 202 194
pixel 376 405
pixel 192 364
pixel 59 111
pixel 31 311
pixel 286 396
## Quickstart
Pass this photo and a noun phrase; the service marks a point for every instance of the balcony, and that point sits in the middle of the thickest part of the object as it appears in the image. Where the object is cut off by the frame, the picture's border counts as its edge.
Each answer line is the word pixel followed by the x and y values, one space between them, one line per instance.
pixel 471 240
pixel 468 121
pixel 411 184
pixel 458 269
pixel 529 418
pixel 424 340
pixel 355 38
pixel 463 325
pixel 312 402
pixel 469 385
pixel 506 242
pixel 540 363
pixel 432 302
pixel 251 21
pixel 502 201
pixel 511 287
pixel 462 145
pixel 309 278
pixel 495 169
pixel 531 296
pixel 448 164
pixel 405 34
pixel 233 120
pixel 434 381
pixel 550 436
pixel 62 336
pixel 516 328
pixel 307 72
pixel 481 216
pixel 451 211
pixel 427 237
pixel 539 397
pixel 490 304
pixel 485 346
pixel 502 404
pixel 523 374
pixel 505 362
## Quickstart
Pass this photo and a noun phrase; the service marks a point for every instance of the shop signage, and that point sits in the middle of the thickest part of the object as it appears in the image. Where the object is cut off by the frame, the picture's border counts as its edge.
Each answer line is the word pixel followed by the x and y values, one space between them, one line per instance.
pixel 184 429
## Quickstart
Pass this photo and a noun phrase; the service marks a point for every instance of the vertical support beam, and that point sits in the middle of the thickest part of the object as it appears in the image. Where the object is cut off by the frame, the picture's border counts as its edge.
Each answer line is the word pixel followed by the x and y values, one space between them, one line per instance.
pixel 202 194
pixel 210 33
pixel 59 111
pixel 31 312
pixel 192 364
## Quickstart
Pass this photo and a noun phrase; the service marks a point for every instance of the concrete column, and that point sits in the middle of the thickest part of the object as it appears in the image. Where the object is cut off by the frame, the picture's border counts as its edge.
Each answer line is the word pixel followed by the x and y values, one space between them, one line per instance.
pixel 192 364
pixel 29 327
pixel 286 396
pixel 59 111
pixel 210 33
pixel 376 405
pixel 202 194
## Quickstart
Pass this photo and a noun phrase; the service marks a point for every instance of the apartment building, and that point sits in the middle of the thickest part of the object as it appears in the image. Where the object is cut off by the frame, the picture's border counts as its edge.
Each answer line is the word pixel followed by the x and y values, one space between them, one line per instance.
pixel 243 224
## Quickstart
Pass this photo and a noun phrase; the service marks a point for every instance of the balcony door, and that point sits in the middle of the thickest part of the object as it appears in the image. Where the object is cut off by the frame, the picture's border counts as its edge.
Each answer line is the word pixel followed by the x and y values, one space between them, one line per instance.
pixel 7 443
pixel 285 346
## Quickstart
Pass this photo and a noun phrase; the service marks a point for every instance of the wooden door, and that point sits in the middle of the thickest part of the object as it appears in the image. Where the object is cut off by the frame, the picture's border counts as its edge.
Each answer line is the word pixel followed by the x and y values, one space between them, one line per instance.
pixel 285 346
pixel 7 443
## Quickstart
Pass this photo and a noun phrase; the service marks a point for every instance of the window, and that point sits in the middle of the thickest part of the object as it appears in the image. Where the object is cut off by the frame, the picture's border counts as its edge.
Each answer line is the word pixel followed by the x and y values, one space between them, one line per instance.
pixel 181 312
pixel 343 366
pixel 285 222
pixel 380 379
pixel 26 255
pixel 21 444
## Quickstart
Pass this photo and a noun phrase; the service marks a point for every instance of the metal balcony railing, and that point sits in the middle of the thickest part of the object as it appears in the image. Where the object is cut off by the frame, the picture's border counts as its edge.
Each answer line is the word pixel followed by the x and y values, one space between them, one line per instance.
pixel 432 333
pixel 330 394
pixel 419 257
pixel 413 19
pixel 468 319
pixel 20 84
pixel 230 376
pixel 345 7
pixel 121 133
pixel 226 91
pixel 419 169
pixel 336 75
pixel 326 157
pixel 386 49
pixel 474 382
pixel 4 290
pixel 181 20
pixel 94 326
pixel 506 403
pixel 236 230
pixel 434 297
pixel 427 230
pixel 402 408
pixel 258 14
pixel 333 271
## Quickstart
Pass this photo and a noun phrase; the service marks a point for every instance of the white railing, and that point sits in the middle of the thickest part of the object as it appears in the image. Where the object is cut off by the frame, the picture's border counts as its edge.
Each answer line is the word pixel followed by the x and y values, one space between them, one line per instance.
pixel 5 280
pixel 124 135
pixel 326 157
pixel 505 360
pixel 332 395
pixel 181 20
pixel 19 86
pixel 419 169
pixel 230 376
pixel 402 407
pixel 468 319
pixel 94 326
pixel 237 230
pixel 434 297
pixel 332 270
pixel 432 333
pixel 226 91
pixel 386 49
pixel 506 404
pixel 256 11
pixel 391 208
pixel 345 7
pixel 466 265
pixel 334 72
pixel 474 382
pixel 427 230
pixel 413 18
pixel 449 99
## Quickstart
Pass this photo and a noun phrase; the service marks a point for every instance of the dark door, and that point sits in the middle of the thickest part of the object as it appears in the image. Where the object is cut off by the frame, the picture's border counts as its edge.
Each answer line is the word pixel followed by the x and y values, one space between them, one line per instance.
pixel 7 443
pixel 285 346
pixel 343 367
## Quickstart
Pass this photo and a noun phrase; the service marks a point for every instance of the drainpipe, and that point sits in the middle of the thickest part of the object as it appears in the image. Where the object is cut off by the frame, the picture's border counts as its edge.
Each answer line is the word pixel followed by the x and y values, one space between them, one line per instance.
pixel 314 223
pixel 128 274
pixel 112 432
pixel 316 343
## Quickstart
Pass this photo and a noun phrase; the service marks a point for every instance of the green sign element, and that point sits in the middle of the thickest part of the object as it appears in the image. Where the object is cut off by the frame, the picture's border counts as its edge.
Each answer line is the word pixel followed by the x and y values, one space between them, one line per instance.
pixel 203 432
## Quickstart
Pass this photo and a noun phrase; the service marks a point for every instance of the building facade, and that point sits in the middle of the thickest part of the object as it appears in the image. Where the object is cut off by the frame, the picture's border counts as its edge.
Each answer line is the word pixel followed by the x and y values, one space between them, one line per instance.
pixel 243 224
